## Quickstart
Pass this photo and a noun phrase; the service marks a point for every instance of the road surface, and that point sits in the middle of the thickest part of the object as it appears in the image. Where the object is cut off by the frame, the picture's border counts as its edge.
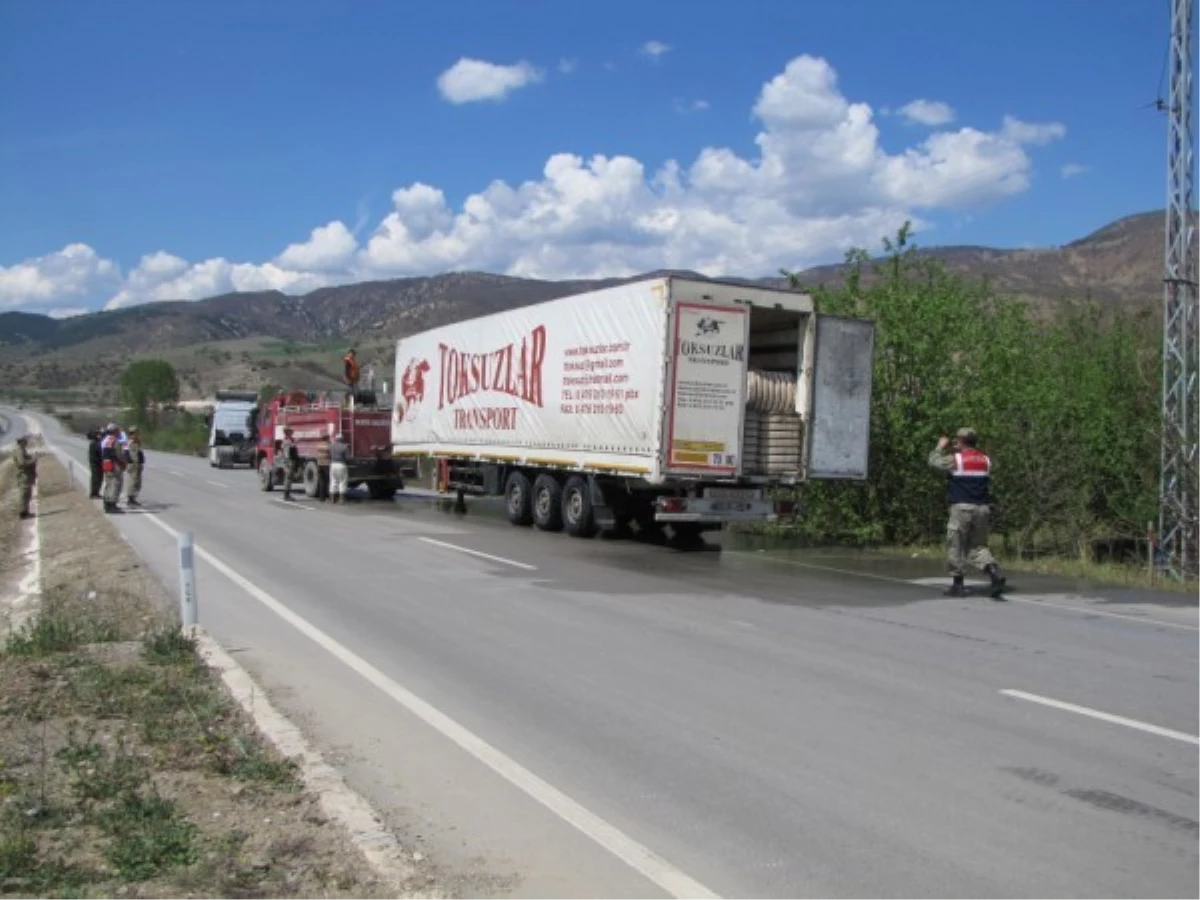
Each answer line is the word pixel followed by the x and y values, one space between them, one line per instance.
pixel 602 718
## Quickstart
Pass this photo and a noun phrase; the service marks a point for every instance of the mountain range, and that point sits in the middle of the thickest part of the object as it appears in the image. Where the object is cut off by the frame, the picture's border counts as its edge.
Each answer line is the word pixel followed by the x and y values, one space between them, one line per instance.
pixel 247 339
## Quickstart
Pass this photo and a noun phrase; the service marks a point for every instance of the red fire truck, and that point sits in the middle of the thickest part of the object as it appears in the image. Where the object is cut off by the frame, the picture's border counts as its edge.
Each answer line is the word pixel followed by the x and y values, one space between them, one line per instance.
pixel 315 419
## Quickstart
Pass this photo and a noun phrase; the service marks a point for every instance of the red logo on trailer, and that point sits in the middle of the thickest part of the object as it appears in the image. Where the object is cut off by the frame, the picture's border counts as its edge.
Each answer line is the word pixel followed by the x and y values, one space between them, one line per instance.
pixel 412 388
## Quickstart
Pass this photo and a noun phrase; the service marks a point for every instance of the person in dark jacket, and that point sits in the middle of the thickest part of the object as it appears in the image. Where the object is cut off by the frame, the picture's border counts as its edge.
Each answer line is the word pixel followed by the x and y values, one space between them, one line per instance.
pixel 94 462
pixel 968 485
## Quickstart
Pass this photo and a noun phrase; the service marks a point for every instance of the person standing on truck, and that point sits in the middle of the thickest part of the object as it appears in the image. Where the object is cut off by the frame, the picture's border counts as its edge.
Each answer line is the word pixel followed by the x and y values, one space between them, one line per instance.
pixel 291 460
pixel 968 493
pixel 26 466
pixel 350 369
pixel 135 460
pixel 94 463
pixel 339 469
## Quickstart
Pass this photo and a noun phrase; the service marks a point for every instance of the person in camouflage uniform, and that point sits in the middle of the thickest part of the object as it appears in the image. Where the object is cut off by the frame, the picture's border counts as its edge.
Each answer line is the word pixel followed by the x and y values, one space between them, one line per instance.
pixel 289 454
pixel 26 466
pixel 968 472
pixel 111 462
pixel 135 461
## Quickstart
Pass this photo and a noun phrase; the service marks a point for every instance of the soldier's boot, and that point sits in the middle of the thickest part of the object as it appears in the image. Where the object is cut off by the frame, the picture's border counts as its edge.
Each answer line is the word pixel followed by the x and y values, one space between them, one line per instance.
pixel 957 589
pixel 999 582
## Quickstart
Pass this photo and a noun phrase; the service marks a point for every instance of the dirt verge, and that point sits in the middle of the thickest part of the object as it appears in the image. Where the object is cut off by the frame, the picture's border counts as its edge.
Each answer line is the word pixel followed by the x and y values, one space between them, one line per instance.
pixel 125 767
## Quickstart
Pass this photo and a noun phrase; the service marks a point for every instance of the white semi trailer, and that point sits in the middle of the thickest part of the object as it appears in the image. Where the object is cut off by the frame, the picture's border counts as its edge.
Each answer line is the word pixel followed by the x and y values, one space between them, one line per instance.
pixel 664 401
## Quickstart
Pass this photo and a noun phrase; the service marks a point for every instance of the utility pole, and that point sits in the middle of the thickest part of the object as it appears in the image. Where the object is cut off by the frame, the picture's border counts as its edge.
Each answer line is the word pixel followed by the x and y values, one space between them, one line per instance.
pixel 1177 494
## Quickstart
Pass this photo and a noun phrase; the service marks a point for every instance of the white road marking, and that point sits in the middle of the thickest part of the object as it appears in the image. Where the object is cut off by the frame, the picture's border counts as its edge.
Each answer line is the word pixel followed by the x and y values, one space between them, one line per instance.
pixel 499 559
pixel 218 484
pixel 1107 717
pixel 176 474
pixel 1009 597
pixel 290 504
pixel 640 858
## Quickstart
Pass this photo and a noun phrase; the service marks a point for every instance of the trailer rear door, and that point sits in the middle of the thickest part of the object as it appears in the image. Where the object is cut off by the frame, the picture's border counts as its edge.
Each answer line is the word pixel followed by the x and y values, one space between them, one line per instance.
pixel 706 389
pixel 839 428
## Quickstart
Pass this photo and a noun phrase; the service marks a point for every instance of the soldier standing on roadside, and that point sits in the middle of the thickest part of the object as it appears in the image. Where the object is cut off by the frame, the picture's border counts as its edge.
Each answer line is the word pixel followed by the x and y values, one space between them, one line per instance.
pixel 135 459
pixel 291 456
pixel 95 463
pixel 110 462
pixel 968 493
pixel 26 465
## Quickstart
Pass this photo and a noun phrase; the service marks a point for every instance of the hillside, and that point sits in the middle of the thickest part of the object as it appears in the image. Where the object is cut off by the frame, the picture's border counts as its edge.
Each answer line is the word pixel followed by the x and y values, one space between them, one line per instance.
pixel 257 338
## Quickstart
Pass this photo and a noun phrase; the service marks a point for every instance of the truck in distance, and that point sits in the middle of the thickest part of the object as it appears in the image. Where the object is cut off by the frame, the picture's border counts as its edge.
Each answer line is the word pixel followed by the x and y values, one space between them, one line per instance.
pixel 232 430
pixel 666 401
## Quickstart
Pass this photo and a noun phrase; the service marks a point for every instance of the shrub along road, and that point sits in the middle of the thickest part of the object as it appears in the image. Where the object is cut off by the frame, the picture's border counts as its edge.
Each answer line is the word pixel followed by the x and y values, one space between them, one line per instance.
pixel 608 718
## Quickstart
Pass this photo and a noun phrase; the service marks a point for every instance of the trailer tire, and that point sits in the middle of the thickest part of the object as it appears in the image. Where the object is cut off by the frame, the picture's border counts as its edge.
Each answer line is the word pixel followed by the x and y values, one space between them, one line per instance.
pixel 547 503
pixel 312 479
pixel 577 508
pixel 518 499
pixel 266 475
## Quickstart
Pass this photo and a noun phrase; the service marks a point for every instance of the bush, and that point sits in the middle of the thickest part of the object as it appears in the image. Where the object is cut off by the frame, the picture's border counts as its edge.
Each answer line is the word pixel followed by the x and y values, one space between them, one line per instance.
pixel 1068 408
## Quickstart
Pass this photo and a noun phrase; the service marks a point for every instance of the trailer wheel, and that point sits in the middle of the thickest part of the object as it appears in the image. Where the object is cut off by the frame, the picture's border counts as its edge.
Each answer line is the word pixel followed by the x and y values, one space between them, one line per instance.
pixel 266 477
pixel 518 500
pixel 547 503
pixel 577 508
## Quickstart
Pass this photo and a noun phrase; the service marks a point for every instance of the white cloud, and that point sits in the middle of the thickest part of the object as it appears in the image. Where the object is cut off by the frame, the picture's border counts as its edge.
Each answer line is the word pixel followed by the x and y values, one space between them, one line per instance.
pixel 67 312
pixel 472 80
pixel 655 49
pixel 1027 133
pixel 567 66
pixel 933 113
pixel 684 107
pixel 1072 170
pixel 819 183
pixel 74 272
pixel 328 248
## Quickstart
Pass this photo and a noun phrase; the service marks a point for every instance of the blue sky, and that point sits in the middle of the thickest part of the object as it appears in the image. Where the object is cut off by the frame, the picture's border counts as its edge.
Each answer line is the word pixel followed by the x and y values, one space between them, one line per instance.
pixel 169 151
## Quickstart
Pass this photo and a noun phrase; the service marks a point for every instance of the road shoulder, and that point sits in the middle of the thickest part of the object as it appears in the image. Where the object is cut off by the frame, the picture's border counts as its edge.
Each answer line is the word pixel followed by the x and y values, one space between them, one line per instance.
pixel 133 757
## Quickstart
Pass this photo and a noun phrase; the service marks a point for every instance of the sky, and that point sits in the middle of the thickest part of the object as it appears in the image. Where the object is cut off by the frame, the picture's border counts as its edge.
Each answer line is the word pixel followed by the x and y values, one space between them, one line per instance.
pixel 173 151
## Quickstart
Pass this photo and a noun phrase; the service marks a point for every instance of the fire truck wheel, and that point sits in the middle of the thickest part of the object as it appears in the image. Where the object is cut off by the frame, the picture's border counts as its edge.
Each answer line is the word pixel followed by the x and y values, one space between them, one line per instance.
pixel 312 478
pixel 266 478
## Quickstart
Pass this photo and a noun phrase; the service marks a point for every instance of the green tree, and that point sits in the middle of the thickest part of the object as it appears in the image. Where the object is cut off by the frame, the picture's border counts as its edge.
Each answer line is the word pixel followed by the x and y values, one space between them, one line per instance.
pixel 147 385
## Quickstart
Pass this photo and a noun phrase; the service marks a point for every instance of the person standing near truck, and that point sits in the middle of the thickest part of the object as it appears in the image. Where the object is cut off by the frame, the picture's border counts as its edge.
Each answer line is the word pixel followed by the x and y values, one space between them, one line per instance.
pixel 26 466
pixel 968 492
pixel 339 470
pixel 135 460
pixel 350 370
pixel 291 458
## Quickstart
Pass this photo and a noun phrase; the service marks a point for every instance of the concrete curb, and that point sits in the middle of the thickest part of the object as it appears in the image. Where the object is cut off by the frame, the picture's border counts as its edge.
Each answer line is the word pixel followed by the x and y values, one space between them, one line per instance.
pixel 343 805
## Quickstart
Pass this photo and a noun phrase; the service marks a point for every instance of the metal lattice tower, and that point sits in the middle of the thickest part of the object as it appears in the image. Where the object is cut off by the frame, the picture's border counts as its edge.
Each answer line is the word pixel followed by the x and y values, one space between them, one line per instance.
pixel 1178 495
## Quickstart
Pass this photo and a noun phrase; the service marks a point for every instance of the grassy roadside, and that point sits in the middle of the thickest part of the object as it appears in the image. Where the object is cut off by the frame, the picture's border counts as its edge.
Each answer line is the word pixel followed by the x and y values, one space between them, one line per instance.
pixel 176 431
pixel 125 767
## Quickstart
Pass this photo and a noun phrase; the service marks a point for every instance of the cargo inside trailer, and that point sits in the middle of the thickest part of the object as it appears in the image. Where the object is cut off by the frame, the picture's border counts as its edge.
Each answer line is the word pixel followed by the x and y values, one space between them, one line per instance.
pixel 772 431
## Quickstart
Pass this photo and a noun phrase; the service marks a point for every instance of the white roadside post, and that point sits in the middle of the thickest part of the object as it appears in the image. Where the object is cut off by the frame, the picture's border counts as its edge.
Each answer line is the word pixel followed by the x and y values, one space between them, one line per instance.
pixel 187 580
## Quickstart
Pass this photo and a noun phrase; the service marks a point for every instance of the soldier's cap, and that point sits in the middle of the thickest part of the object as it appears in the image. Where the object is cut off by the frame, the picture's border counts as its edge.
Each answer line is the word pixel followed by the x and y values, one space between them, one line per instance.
pixel 22 439
pixel 133 429
pixel 112 428
pixel 287 429
pixel 966 434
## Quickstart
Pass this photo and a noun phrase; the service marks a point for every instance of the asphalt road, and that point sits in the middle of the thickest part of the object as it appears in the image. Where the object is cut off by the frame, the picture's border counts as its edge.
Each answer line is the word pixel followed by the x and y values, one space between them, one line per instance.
pixel 756 726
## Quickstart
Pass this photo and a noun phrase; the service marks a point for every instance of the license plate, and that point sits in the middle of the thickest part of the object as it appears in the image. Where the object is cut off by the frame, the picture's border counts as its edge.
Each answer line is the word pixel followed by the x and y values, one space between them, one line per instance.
pixel 732 506
pixel 744 495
